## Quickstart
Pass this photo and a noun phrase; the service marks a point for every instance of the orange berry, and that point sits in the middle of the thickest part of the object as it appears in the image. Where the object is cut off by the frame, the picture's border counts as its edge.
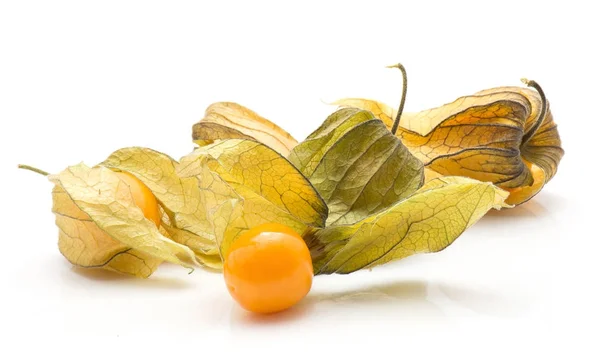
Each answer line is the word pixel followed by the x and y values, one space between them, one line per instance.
pixel 268 268
pixel 142 197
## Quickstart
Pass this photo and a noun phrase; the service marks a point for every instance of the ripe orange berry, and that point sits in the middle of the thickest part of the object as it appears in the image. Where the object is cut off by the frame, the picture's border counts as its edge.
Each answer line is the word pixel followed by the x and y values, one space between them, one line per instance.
pixel 268 268
pixel 142 197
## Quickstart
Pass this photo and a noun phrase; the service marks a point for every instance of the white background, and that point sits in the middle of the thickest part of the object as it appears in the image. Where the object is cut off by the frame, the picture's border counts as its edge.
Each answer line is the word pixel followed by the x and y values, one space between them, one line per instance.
pixel 80 79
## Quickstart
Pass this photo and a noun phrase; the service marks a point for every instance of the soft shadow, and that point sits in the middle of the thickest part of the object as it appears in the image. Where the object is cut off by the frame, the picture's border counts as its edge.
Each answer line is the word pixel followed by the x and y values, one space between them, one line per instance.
pixel 407 299
pixel 101 275
pixel 540 205
pixel 403 299
pixel 398 291
pixel 295 313
pixel 429 296
pixel 531 208
pixel 97 274
pixel 486 302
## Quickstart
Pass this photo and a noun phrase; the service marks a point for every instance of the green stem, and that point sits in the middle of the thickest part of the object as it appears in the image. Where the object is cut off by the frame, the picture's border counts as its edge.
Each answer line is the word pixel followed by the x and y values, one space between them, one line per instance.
pixel 402 100
pixel 33 169
pixel 541 116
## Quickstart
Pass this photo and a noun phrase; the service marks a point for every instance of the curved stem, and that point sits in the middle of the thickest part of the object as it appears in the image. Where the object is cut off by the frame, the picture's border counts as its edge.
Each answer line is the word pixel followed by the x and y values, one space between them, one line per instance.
pixel 541 116
pixel 402 100
pixel 33 169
